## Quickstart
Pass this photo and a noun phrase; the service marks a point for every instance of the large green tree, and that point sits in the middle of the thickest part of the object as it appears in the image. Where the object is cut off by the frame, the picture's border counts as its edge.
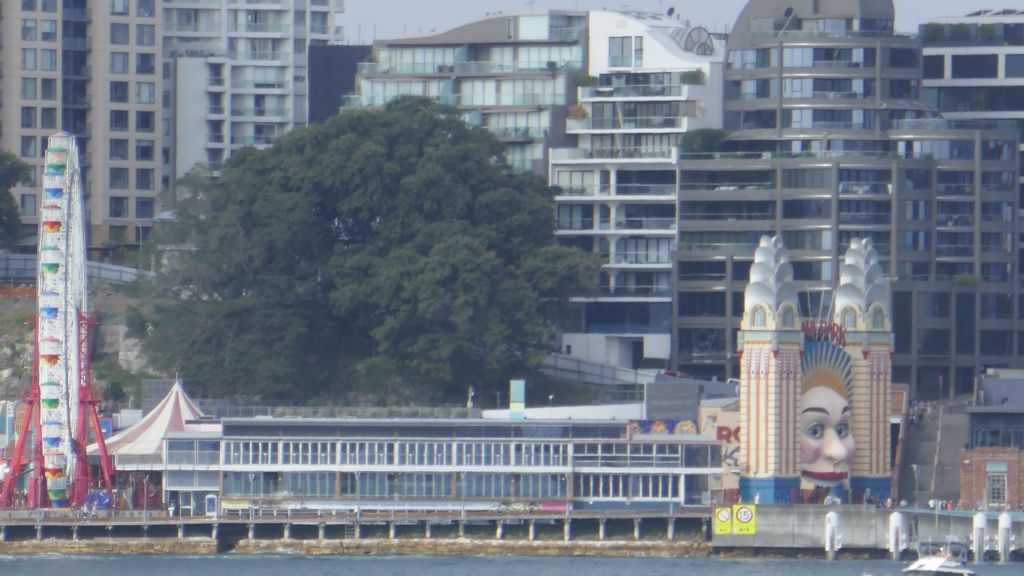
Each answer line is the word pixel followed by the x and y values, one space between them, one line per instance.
pixel 399 233
pixel 12 171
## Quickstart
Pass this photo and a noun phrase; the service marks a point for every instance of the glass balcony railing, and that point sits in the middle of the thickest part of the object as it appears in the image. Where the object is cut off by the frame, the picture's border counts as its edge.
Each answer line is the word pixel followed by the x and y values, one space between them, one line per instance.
pixel 954 220
pixel 951 251
pixel 260 112
pixel 954 189
pixel 865 218
pixel 858 188
pixel 260 27
pixel 641 258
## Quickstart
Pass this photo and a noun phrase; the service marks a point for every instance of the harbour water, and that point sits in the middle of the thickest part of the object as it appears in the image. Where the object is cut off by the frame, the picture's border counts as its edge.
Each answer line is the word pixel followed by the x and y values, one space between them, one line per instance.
pixel 295 565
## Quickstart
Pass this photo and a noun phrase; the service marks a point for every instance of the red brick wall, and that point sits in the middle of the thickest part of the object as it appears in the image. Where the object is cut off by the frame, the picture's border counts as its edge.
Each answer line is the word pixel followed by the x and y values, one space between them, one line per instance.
pixel 973 471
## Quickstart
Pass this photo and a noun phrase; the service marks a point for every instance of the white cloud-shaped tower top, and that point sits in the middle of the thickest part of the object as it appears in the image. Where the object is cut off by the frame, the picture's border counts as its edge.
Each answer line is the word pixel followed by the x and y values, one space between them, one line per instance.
pixel 771 279
pixel 862 284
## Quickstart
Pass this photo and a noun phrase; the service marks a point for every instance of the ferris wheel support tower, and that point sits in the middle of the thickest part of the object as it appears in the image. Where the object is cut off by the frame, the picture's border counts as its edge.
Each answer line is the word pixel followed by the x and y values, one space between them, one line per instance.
pixel 60 407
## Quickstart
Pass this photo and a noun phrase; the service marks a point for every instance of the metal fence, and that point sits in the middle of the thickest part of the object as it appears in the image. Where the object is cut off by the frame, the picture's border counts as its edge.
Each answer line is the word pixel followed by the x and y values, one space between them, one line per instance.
pixel 22 269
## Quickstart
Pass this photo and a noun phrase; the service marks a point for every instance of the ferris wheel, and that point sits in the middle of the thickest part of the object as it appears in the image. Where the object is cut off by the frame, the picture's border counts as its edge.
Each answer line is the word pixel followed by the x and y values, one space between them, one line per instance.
pixel 61 387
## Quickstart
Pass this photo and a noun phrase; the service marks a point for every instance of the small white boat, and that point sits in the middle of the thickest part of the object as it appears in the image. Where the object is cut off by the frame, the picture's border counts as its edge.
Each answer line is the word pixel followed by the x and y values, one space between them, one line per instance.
pixel 940 559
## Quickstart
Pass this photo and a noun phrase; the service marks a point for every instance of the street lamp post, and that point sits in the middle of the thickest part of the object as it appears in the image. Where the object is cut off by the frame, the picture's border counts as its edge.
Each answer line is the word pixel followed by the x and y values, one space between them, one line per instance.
pixel 915 468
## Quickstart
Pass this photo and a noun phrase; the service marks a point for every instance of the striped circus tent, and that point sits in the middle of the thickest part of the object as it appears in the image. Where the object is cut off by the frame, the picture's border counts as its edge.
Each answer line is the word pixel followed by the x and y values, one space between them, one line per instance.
pixel 142 443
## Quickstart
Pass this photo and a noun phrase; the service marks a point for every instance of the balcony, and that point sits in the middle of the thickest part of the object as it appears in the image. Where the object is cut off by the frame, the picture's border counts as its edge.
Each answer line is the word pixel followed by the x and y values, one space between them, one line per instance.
pixel 954 220
pixel 635 123
pixel 215 111
pixel 635 291
pixel 865 218
pixel 726 186
pixel 862 188
pixel 954 251
pixel 954 189
pixel 262 140
pixel 645 190
pixel 260 112
pixel 634 91
pixel 641 258
pixel 519 134
pixel 259 55
pixel 644 224
pixel 260 27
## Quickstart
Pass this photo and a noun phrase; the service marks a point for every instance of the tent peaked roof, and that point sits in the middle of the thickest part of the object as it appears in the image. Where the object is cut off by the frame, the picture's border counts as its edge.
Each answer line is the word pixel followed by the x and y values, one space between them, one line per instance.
pixel 145 437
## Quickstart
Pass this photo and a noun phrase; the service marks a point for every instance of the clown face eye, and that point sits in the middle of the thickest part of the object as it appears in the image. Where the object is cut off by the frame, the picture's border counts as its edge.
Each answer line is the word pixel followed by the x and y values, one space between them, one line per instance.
pixel 816 430
pixel 843 430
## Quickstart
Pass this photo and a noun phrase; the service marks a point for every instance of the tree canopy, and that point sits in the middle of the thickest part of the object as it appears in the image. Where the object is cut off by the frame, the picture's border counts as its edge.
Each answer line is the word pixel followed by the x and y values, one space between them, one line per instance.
pixel 12 171
pixel 398 234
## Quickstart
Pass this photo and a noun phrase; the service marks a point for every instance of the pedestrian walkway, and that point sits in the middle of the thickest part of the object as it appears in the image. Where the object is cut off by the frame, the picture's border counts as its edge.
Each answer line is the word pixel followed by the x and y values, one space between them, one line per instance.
pixel 933 445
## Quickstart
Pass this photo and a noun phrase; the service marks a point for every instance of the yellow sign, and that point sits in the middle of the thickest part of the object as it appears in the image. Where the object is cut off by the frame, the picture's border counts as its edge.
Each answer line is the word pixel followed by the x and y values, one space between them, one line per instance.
pixel 744 519
pixel 723 520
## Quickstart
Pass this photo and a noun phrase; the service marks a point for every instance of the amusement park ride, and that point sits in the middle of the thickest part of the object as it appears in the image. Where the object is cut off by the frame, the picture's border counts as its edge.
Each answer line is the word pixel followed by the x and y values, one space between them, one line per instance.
pixel 59 404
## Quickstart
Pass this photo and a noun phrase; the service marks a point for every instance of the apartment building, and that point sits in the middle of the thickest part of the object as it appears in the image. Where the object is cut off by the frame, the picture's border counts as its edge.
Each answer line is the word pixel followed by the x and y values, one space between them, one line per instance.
pixel 515 75
pixel 236 74
pixel 89 68
pixel 650 78
pixel 150 88
pixel 829 141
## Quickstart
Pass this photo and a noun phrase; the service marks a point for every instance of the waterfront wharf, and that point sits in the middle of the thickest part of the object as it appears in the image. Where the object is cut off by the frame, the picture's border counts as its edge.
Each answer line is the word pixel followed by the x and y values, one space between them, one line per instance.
pixel 644 530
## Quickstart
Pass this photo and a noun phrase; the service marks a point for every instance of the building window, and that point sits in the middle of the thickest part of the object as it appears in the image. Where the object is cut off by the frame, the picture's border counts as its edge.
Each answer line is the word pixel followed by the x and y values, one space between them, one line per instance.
pixel 118 149
pixel 27 205
pixel 620 51
pixel 143 207
pixel 759 320
pixel 119 120
pixel 144 121
pixel 28 58
pixel 48 88
pixel 974 66
pixel 145 34
pixel 788 318
pixel 144 178
pixel 145 8
pixel 118 62
pixel 119 7
pixel 145 63
pixel 28 5
pixel 119 32
pixel 119 181
pixel 934 66
pixel 28 88
pixel 48 59
pixel 28 117
pixel 145 93
pixel 48 5
pixel 995 488
pixel 48 30
pixel 48 118
pixel 878 320
pixel 28 30
pixel 118 91
pixel 28 146
pixel 144 149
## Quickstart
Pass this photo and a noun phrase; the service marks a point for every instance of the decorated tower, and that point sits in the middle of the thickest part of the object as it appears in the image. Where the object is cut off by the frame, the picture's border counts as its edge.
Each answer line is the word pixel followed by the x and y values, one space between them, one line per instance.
pixel 862 308
pixel 769 344
pixel 814 393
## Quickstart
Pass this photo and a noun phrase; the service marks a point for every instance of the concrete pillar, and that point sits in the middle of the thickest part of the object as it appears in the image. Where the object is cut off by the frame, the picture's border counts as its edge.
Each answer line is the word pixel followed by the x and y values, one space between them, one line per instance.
pixel 833 539
pixel 392 530
pixel 214 531
pixel 462 529
pixel 897 535
pixel 1005 529
pixel 287 531
pixel 321 531
pixel 567 530
pixel 670 529
pixel 601 528
pixel 426 529
pixel 181 531
pixel 531 531
pixel 252 531
pixel 636 529
pixel 3 533
pixel 74 533
pixel 978 537
pixel 39 531
pixel 498 532
pixel 359 531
